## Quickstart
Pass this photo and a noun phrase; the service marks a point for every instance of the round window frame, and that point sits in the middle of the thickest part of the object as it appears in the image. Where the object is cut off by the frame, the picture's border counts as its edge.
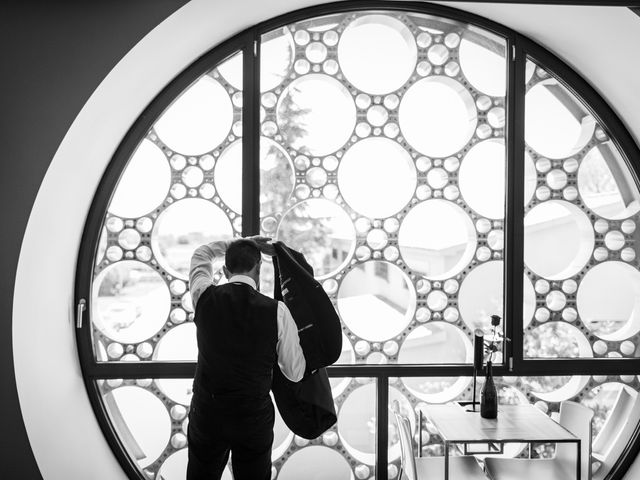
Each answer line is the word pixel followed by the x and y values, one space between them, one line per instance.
pixel 517 45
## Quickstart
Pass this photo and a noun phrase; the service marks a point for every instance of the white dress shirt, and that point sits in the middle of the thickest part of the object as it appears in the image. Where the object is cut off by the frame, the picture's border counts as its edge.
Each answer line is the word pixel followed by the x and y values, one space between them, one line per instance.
pixel 290 355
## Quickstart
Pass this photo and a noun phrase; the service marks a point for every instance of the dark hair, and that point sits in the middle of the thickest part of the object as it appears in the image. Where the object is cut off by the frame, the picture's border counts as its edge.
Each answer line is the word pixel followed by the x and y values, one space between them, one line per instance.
pixel 242 255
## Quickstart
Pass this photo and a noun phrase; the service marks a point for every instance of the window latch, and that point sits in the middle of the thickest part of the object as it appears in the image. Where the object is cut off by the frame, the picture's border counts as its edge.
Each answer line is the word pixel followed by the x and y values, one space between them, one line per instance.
pixel 82 305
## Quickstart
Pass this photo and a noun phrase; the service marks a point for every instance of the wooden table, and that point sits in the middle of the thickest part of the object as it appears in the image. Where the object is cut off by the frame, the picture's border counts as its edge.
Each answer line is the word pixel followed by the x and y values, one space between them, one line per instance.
pixel 515 424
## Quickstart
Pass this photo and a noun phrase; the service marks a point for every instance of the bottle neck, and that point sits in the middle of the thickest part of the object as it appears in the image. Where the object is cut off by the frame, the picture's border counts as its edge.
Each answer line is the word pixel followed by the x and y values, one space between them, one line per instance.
pixel 489 372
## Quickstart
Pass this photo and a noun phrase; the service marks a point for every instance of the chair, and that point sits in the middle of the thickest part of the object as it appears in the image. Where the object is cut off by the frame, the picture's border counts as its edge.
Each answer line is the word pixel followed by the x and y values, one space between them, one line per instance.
pixel 616 431
pixel 431 468
pixel 574 417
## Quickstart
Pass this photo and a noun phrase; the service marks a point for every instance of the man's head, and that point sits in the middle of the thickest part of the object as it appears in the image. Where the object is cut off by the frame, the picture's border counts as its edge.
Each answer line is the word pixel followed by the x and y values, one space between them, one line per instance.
pixel 243 258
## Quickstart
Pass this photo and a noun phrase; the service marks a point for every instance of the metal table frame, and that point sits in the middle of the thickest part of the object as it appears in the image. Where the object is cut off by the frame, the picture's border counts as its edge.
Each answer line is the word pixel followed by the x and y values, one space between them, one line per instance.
pixel 491 436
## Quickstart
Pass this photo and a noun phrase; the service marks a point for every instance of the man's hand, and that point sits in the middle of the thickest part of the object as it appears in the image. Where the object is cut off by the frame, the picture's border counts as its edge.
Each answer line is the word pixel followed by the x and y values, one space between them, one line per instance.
pixel 264 244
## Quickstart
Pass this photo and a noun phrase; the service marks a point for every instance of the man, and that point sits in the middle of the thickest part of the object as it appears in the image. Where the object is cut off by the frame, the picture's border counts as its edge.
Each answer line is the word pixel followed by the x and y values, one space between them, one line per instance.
pixel 241 335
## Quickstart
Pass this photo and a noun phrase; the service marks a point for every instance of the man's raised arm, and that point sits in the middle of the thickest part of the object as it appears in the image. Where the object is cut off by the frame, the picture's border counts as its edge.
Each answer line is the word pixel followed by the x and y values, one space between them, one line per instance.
pixel 201 269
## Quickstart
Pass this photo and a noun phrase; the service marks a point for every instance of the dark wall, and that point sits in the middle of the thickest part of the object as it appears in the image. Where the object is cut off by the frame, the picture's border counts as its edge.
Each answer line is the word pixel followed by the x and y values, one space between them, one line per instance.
pixel 53 55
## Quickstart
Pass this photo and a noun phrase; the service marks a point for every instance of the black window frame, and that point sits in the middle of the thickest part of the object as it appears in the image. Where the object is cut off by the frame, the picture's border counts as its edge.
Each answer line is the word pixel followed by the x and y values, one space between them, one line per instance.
pixel 519 47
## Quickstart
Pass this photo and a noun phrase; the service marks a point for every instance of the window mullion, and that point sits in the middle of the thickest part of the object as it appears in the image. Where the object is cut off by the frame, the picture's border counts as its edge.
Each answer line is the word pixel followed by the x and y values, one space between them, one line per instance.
pixel 579 366
pixel 153 369
pixel 251 135
pixel 514 214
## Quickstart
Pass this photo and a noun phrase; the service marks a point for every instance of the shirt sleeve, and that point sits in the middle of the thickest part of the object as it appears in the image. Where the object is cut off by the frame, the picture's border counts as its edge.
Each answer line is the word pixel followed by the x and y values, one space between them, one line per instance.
pixel 201 269
pixel 290 356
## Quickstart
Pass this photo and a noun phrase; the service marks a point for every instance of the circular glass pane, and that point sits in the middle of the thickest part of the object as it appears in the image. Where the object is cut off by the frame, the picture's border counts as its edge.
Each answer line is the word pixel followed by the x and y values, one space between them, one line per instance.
pixel 446 247
pixel 435 343
pixel 231 70
pixel 198 120
pixel 102 246
pixel 609 300
pixel 282 436
pixel 354 419
pixel 324 462
pixel 276 176
pixel 436 389
pixel 146 419
pixel 276 58
pixel 482 178
pixel 180 390
pixel 559 239
pixel 144 184
pixel 376 300
pixel 183 227
pixel 446 344
pixel 387 171
pixel 322 231
pixel 483 63
pixel 557 388
pixel 130 301
pixel 316 114
pixel 177 344
pixel 175 466
pixel 437 116
pixel 556 123
pixel 556 340
pixel 377 53
pixel 610 195
pixel 481 295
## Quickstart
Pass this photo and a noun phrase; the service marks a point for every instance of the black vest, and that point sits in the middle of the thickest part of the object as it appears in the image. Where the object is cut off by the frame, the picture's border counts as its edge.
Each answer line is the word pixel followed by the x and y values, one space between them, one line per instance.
pixel 237 333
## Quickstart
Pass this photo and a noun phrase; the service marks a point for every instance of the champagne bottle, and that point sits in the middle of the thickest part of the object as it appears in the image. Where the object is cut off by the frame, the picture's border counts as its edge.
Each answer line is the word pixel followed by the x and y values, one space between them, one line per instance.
pixel 489 396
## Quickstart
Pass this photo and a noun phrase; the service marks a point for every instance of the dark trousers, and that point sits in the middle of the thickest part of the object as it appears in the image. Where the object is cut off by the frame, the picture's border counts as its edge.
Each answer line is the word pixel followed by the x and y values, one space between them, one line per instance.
pixel 219 426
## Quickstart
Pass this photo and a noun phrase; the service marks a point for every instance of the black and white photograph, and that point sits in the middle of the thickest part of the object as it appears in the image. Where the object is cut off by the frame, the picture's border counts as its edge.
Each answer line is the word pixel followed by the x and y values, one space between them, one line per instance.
pixel 309 240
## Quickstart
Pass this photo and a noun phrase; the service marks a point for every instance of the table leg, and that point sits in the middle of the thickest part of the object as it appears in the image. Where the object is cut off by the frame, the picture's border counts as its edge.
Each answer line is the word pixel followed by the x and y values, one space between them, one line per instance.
pixel 446 460
pixel 579 462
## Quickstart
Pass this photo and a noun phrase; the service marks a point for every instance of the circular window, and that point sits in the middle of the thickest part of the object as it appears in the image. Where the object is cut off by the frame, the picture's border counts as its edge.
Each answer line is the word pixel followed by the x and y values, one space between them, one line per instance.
pixel 376 145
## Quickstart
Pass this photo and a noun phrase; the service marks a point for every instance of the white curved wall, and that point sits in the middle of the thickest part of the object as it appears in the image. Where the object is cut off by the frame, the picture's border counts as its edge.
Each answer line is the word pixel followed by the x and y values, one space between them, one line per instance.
pixel 65 437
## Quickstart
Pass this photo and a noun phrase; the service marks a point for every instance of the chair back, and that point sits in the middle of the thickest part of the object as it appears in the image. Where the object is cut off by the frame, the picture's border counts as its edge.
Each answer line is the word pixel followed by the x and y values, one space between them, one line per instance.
pixel 618 442
pixel 407 459
pixel 615 421
pixel 577 419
